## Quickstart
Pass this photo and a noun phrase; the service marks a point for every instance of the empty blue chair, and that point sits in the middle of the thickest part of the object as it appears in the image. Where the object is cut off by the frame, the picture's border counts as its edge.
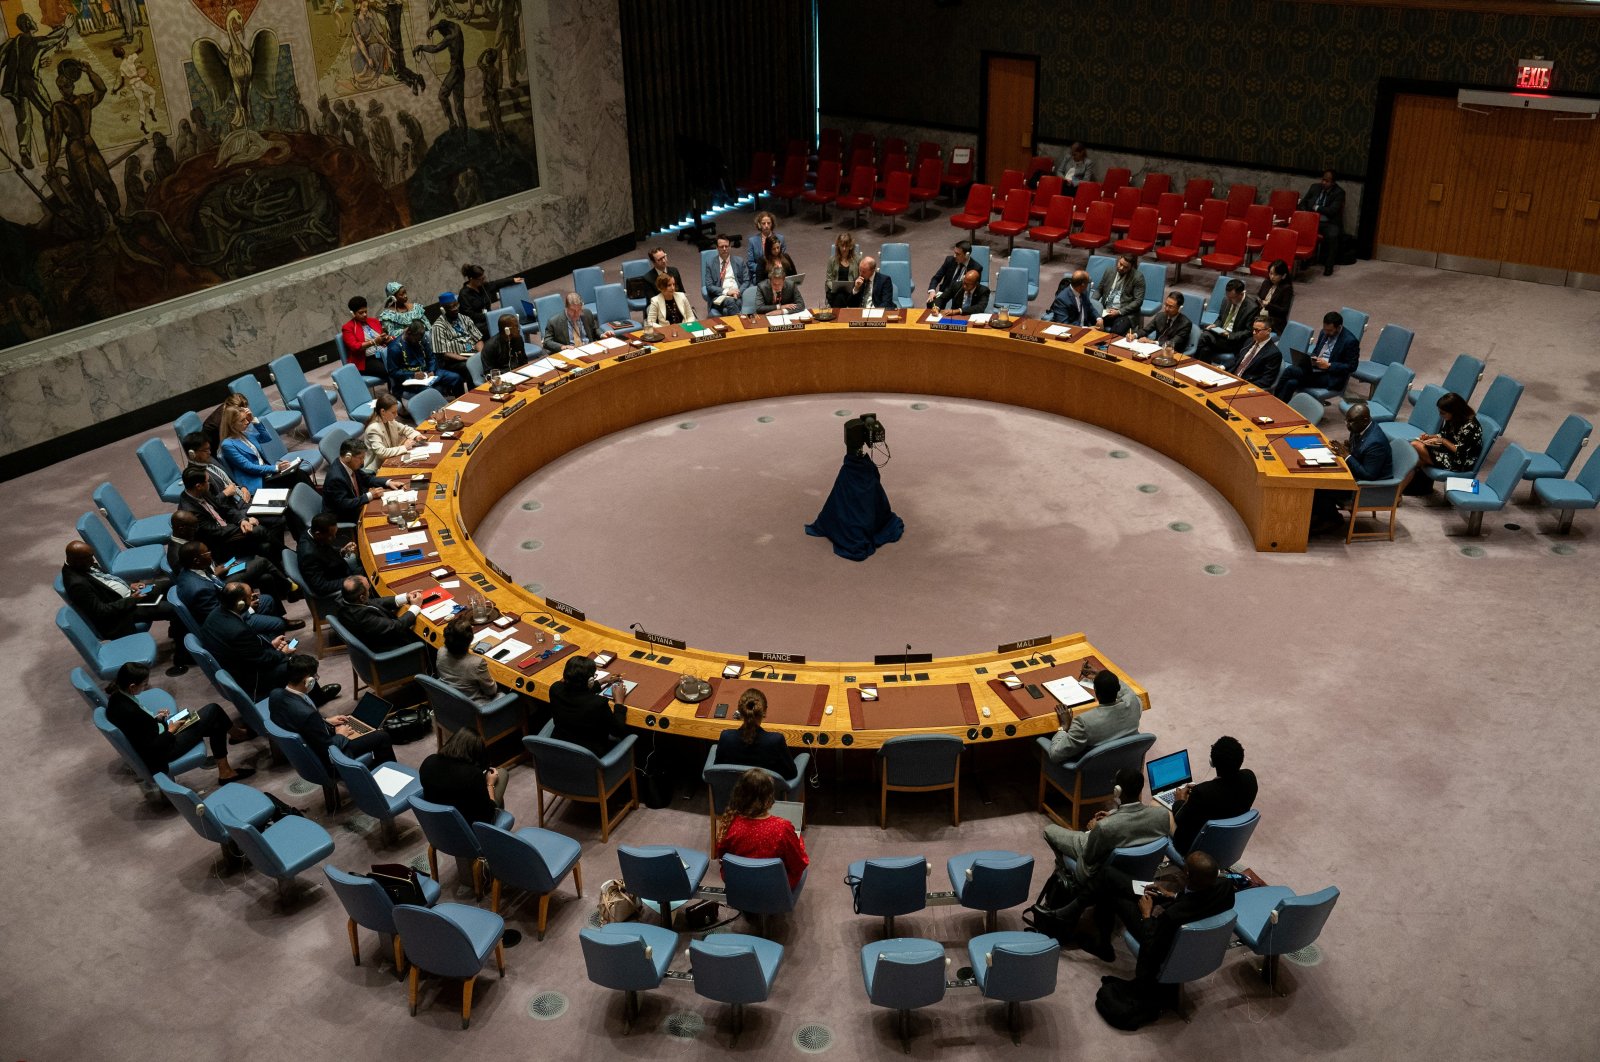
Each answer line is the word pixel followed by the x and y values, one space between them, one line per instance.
pixel 613 311
pixel 1273 921
pixel 304 761
pixel 899 252
pixel 1296 336
pixel 151 700
pixel 736 969
pixel 187 424
pixel 991 882
pixel 757 888
pixel 1197 951
pixel 1425 416
pixel 1377 496
pixel 367 905
pixel 512 300
pixel 920 763
pixel 1554 463
pixel 1390 394
pixel 1155 286
pixel 1224 840
pixel 628 957
pixel 132 564
pixel 899 274
pixel 1027 258
pixel 574 773
pixel 291 380
pixel 1394 343
pixel 1010 291
pixel 903 974
pixel 662 876
pixel 1087 780
pixel 1494 490
pixel 585 281
pixel 1310 408
pixel 1014 968
pixel 1569 495
pixel 151 530
pixel 305 503
pixel 980 258
pixel 382 671
pixel 531 859
pixel 241 801
pixel 1462 379
pixel 279 420
pixel 251 712
pixel 368 793
pixel 639 267
pixel 354 393
pixel 424 404
pixel 329 445
pixel 450 940
pixel 1355 320
pixel 549 307
pixel 453 710
pixel 447 831
pixel 103 658
pixel 886 887
pixel 318 411
pixel 1498 405
pixel 282 850
pixel 1213 310
pixel 344 358
pixel 189 761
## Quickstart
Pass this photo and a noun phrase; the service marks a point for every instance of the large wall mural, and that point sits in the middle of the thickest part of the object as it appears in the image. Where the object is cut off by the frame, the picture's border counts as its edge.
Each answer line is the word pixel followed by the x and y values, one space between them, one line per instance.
pixel 152 148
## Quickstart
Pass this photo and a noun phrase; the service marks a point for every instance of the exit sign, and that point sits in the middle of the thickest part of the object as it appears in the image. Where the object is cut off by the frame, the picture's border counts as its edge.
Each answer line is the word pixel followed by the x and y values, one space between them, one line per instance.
pixel 1535 74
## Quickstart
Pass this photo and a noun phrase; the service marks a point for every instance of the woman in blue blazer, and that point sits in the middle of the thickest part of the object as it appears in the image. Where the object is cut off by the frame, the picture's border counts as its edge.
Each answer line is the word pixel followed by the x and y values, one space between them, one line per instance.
pixel 244 447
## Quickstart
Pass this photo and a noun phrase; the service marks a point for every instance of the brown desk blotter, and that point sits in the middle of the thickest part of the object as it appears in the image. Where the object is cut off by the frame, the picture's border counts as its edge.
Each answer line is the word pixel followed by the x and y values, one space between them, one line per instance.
pixel 910 707
pixel 422 580
pixel 788 703
pixel 1290 459
pixel 1264 405
pixel 430 554
pixel 1023 703
pixel 657 686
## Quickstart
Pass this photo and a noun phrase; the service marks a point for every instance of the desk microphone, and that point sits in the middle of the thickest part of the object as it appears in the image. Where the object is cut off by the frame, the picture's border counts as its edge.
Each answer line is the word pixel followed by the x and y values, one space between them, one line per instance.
pixel 640 630
pixel 905 662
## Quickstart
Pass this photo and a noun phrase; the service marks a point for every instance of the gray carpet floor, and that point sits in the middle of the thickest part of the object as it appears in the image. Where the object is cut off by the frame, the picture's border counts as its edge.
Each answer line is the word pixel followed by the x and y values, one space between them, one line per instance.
pixel 1392 698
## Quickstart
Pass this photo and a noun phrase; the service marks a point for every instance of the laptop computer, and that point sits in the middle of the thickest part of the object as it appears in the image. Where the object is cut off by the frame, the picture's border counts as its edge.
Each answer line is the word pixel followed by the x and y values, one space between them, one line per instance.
pixel 1301 359
pixel 797 279
pixel 792 810
pixel 1167 774
pixel 369 715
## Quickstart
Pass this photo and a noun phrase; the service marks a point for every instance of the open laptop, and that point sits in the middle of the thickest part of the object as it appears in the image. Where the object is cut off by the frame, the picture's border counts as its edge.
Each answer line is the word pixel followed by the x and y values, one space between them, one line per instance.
pixel 369 715
pixel 797 279
pixel 792 810
pixel 1302 360
pixel 1167 774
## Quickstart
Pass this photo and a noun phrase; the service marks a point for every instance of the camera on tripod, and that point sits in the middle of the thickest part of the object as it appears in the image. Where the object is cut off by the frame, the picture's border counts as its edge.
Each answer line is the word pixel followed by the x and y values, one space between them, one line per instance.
pixel 862 432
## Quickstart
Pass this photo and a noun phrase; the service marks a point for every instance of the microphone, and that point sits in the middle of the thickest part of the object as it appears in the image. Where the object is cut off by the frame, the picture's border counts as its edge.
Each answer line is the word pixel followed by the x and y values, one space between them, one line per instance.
pixel 905 662
pixel 640 630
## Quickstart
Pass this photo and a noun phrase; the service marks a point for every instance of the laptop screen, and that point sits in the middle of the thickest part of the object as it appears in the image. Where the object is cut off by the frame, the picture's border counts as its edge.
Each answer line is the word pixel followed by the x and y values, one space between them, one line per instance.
pixel 1169 772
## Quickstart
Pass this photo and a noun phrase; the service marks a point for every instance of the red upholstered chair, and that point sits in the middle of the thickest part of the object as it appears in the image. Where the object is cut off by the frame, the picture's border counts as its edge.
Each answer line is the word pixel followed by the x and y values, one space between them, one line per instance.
pixel 829 137
pixel 863 157
pixel 896 197
pixel 1014 217
pixel 1141 238
pixel 863 183
pixel 1117 177
pixel 1057 224
pixel 1213 212
pixel 1184 246
pixel 1196 191
pixel 1170 206
pixel 793 185
pixel 1049 187
pixel 1122 208
pixel 1096 231
pixel 1257 223
pixel 926 187
pixel 1038 166
pixel 893 164
pixel 980 197
pixel 1240 196
pixel 1230 251
pixel 1281 243
pixel 833 154
pixel 1283 202
pixel 1306 225
pixel 1154 187
pixel 958 172
pixel 926 150
pixel 827 188
pixel 894 145
pixel 1086 194
pixel 759 182
pixel 864 142
pixel 1008 180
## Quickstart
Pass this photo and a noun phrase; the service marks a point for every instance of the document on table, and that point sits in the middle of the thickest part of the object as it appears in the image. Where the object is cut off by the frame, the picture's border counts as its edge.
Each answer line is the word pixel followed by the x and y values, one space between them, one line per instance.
pixel 399 497
pixel 1056 331
pixel 778 320
pixel 425 381
pixel 1069 691
pixel 979 320
pixel 513 378
pixel 405 541
pixel 390 780
pixel 1138 346
pixel 1318 455
pixel 494 635
pixel 544 365
pixel 871 315
pixel 442 610
pixel 509 651
pixel 462 406
pixel 1203 376
pixel 270 496
pixel 613 343
pixel 589 350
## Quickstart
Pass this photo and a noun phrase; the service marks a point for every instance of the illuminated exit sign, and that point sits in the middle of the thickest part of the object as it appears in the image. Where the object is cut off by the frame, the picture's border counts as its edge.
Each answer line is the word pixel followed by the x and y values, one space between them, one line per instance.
pixel 1535 74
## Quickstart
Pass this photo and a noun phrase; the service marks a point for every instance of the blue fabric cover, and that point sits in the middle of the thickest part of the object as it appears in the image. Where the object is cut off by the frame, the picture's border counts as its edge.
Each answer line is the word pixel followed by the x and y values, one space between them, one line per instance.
pixel 856 518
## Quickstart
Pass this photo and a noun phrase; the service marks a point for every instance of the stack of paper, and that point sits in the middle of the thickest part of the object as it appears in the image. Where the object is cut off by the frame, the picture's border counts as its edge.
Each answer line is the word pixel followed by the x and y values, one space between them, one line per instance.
pixel 390 780
pixel 979 319
pixel 462 406
pixel 269 501
pixel 509 651
pixel 1203 376
pixel 1056 331
pixel 1461 483
pixel 425 381
pixel 871 315
pixel 589 350
pixel 544 365
pixel 399 542
pixel 513 378
pixel 399 497
pixel 1138 346
pixel 442 610
pixel 1318 455
pixel 613 343
pixel 1069 691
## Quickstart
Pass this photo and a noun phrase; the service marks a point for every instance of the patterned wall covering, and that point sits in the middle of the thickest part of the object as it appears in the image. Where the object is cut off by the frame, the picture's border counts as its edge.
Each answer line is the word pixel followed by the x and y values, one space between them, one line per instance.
pixel 1256 82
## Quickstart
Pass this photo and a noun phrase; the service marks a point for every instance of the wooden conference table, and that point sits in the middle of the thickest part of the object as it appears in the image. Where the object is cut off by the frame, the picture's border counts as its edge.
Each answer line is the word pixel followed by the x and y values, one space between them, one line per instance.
pixel 1213 431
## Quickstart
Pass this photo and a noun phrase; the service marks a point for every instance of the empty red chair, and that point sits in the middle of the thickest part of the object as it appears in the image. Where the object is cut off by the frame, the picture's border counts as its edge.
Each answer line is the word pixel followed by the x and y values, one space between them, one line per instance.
pixel 980 198
pixel 1229 252
pixel 1196 191
pixel 1240 196
pixel 893 164
pixel 927 149
pixel 1307 226
pixel 828 137
pixel 1116 177
pixel 862 157
pixel 864 142
pixel 896 197
pixel 1281 244
pixel 1141 238
pixel 863 183
pixel 1168 209
pixel 1122 208
pixel 793 184
pixel 827 187
pixel 1283 202
pixel 1014 217
pixel 1049 188
pixel 1257 223
pixel 1057 224
pixel 1096 231
pixel 1184 245
pixel 958 174
pixel 926 187
pixel 1038 166
pixel 1085 196
pixel 833 153
pixel 1154 187
pixel 894 145
pixel 1008 180
pixel 760 179
pixel 1213 212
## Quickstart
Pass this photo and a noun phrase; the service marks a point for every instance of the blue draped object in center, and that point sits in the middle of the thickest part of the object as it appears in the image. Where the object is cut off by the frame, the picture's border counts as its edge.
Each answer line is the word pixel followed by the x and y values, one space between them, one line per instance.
pixel 856 518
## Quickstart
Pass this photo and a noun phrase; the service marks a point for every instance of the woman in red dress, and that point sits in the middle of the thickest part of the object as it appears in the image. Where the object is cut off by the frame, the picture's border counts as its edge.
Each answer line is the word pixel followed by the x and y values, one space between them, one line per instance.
pixel 749 829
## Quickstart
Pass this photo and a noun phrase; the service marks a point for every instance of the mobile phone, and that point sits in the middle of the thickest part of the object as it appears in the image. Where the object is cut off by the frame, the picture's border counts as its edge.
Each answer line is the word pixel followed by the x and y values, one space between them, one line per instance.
pixel 1034 691
pixel 721 712
pixel 235 566
pixel 145 589
pixel 294 643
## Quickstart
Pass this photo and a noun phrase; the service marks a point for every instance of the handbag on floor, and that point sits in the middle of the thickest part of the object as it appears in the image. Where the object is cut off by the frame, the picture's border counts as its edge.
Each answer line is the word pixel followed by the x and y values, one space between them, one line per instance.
pixel 1124 1005
pixel 617 904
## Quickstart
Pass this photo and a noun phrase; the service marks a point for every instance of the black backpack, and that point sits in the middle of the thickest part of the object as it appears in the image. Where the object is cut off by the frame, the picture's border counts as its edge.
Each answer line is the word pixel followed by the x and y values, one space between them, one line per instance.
pixel 1123 1005
pixel 1046 914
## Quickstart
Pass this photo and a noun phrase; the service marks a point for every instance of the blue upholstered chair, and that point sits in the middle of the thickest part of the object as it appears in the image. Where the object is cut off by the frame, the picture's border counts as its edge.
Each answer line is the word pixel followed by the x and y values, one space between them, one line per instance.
pixel 452 710
pixel 1274 921
pixel 1194 305
pixel 885 887
pixel 328 447
pixel 1087 780
pixel 143 530
pixel 1394 343
pixel 1308 407
pixel 1569 495
pixel 367 905
pixel 662 876
pixel 477 376
pixel 354 392
pixel 1213 310
pixel 757 888
pixel 279 420
pixel 252 713
pixel 899 273
pixel 291 380
pixel 152 700
pixel 450 940
pixel 241 801
pixel 1424 419
pixel 282 850
pixel 1462 379
pixel 1010 291
pixel 573 772
pixel 368 794
pixel 1296 336
pixel 586 280
pixel 720 779
pixel 382 671
pixel 304 761
pixel 1498 404
pixel 980 258
pixel 1355 321
pixel 273 448
pixel 612 309
pixel 1014 968
pixel 1558 457
pixel 1494 490
pixel 549 307
pixel 895 252
pixel 104 658
pixel 1197 951
pixel 187 424
pixel 1026 258
pixel 1155 287
pixel 165 475
pixel 1224 840
pixel 640 267
pixel 424 404
pixel 512 296
pixel 447 831
pixel 531 859
pixel 628 957
pixel 1388 398
pixel 318 411
pixel 903 974
pixel 920 763
pixel 1138 861
pixel 344 358
pixel 132 564
pixel 991 882
pixel 189 761
pixel 1379 496
pixel 736 969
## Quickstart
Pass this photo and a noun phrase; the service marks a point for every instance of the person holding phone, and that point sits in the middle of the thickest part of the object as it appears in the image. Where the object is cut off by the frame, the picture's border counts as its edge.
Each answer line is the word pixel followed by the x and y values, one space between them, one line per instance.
pixel 159 739
pixel 459 776
pixel 200 583
pixel 582 712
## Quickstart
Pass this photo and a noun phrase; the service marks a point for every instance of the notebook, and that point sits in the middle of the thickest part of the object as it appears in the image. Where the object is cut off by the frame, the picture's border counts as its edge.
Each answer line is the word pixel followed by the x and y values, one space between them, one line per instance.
pixel 1168 773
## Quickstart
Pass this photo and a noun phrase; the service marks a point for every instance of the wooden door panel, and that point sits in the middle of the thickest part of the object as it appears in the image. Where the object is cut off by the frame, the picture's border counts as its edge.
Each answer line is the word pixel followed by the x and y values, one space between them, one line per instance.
pixel 1008 120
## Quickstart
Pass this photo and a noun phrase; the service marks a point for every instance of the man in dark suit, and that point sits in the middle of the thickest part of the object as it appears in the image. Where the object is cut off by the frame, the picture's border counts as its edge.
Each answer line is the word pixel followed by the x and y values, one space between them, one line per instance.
pixel 111 605
pixel 323 564
pixel 1232 792
pixel 348 487
pixel 295 707
pixel 255 662
pixel 1231 329
pixel 1072 303
pixel 200 585
pixel 1261 359
pixel 777 294
pixel 1170 325
pixel 1121 296
pixel 1334 356
pixel 659 268
pixel 1327 199
pixel 227 536
pixel 371 621
pixel 574 328
pixel 951 270
pixel 871 290
pixel 232 500
pixel 966 294
pixel 1366 454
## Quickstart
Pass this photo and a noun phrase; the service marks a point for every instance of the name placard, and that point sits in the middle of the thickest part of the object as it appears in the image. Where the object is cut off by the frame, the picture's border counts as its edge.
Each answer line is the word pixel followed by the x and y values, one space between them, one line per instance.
pixel 630 355
pixel 1170 381
pixel 1026 337
pixel 564 608
pixel 546 388
pixel 1026 643
pixel 1101 354
pixel 793 326
pixel 948 326
pixel 659 639
pixel 776 658
pixel 704 336
pixel 879 323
